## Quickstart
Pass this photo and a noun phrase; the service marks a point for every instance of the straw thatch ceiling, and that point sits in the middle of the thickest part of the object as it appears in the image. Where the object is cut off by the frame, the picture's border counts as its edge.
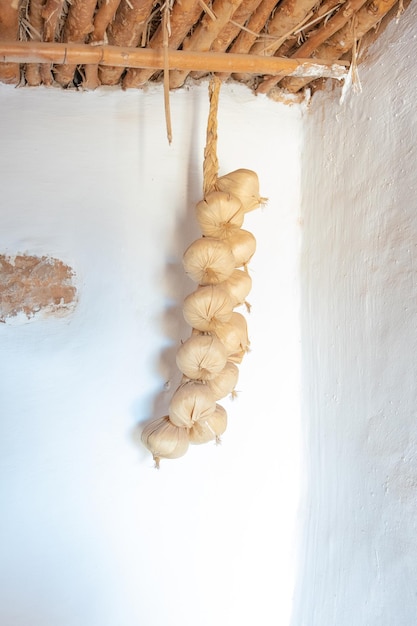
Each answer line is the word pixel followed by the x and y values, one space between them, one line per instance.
pixel 273 47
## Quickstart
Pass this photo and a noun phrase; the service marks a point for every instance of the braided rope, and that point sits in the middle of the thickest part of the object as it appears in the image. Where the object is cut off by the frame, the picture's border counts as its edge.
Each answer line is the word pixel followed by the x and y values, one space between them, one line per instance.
pixel 211 164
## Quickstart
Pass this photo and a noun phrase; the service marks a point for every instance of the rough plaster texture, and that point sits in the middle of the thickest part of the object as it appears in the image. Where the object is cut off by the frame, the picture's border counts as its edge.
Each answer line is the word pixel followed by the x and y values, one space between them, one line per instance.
pixel 358 558
pixel 31 285
pixel 91 534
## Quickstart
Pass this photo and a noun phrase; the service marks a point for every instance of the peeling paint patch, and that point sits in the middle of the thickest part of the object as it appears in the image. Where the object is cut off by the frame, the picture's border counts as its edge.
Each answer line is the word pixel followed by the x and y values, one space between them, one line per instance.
pixel 30 285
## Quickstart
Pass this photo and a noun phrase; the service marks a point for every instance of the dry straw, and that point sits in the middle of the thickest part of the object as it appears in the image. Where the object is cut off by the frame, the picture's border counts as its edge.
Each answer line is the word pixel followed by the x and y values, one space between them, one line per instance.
pixel 234 337
pixel 210 428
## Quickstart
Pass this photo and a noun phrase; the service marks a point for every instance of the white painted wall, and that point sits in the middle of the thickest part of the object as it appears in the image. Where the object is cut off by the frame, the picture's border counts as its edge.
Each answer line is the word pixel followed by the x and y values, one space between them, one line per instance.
pixel 91 534
pixel 358 558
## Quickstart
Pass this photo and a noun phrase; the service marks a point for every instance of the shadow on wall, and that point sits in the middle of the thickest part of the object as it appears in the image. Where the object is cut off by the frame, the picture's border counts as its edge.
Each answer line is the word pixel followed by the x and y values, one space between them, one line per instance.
pixel 176 285
pixel 358 550
pixel 336 361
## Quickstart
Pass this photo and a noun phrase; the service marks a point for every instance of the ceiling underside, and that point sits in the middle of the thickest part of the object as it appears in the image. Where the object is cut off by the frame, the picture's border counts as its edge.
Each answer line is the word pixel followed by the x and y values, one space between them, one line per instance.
pixel 278 48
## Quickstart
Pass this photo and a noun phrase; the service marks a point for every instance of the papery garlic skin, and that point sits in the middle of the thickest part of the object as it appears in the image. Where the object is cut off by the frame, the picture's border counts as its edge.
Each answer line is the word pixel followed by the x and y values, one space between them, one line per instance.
pixel 191 401
pixel 207 307
pixel 244 184
pixel 238 286
pixel 234 336
pixel 219 214
pixel 208 261
pixel 243 245
pixel 201 357
pixel 210 428
pixel 225 383
pixel 165 440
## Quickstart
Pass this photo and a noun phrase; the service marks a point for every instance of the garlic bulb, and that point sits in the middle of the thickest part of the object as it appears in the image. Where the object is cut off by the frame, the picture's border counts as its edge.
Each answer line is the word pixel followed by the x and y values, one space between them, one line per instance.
pixel 165 440
pixel 218 214
pixel 238 286
pixel 234 337
pixel 210 428
pixel 191 401
pixel 208 261
pixel 207 307
pixel 243 245
pixel 243 184
pixel 201 357
pixel 225 383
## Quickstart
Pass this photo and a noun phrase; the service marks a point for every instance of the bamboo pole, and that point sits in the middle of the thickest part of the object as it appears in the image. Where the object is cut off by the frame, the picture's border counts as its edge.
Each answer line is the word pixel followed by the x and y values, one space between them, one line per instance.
pixel 80 54
pixel 102 18
pixel 78 25
pixel 232 28
pixel 204 35
pixel 34 14
pixel 125 30
pixel 9 29
pixel 51 14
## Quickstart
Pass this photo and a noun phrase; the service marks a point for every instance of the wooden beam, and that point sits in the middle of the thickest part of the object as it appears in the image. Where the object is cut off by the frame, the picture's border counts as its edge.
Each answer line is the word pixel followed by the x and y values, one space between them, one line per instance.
pixel 9 31
pixel 51 14
pixel 32 73
pixel 342 41
pixel 102 18
pixel 231 30
pixel 125 30
pixel 78 25
pixel 204 35
pixel 80 54
pixel 253 28
pixel 183 15
pixel 318 37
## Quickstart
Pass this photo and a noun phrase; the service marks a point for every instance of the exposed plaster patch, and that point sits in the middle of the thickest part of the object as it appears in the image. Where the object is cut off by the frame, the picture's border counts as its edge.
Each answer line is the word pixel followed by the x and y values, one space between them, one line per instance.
pixel 31 284
pixel 316 70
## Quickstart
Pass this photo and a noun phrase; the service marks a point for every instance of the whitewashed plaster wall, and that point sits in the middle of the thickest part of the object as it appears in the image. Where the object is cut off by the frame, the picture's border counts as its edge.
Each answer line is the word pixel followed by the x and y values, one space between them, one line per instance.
pixel 358 560
pixel 91 534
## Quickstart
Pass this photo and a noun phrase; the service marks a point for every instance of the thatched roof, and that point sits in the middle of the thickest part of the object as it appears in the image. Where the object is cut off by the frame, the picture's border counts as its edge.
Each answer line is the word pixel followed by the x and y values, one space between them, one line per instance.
pixel 273 47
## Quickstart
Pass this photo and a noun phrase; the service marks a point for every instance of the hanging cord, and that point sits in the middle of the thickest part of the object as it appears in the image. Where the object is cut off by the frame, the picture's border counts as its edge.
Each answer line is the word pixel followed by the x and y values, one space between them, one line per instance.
pixel 357 87
pixel 211 164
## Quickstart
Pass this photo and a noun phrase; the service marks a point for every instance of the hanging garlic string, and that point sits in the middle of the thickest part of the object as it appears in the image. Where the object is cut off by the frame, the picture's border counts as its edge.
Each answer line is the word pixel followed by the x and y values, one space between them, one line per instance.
pixel 219 341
